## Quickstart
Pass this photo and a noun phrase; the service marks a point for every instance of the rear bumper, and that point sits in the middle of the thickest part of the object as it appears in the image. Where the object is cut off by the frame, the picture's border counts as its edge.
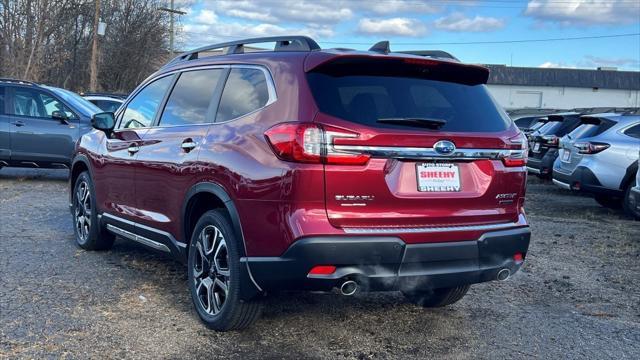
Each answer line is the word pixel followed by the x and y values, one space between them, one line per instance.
pixel 583 179
pixel 381 263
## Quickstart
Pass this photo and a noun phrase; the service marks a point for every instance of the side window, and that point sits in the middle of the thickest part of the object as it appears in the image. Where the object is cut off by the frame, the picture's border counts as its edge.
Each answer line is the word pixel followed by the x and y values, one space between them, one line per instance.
pixel 142 108
pixel 191 98
pixel 33 103
pixel 245 91
pixel 633 131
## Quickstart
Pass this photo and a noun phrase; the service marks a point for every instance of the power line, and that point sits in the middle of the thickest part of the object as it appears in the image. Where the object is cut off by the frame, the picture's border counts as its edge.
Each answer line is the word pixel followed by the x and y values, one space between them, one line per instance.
pixel 452 43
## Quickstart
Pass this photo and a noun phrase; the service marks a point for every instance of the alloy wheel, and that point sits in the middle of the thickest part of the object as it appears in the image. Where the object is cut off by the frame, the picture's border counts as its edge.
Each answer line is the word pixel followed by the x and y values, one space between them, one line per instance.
pixel 211 270
pixel 82 211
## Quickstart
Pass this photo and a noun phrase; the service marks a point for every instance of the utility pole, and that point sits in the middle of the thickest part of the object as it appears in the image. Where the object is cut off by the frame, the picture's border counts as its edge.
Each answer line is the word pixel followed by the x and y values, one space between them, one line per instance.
pixel 93 77
pixel 171 11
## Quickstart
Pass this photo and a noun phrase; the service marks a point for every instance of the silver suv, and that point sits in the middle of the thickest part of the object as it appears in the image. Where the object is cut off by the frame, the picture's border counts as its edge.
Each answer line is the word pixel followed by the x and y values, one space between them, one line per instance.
pixel 634 196
pixel 600 157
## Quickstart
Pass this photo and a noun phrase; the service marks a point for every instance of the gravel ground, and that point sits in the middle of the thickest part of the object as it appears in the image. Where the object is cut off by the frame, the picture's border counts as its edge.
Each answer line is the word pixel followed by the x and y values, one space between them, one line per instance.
pixel 576 297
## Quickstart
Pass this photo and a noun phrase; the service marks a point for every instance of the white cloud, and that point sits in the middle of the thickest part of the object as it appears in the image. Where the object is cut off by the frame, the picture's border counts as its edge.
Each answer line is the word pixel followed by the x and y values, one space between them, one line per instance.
pixel 206 17
pixel 584 12
pixel 398 6
pixel 391 27
pixel 310 12
pixel 459 22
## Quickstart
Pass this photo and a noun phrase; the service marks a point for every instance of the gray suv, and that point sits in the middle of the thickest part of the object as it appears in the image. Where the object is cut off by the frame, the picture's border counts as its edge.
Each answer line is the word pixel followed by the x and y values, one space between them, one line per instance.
pixel 600 157
pixel 39 125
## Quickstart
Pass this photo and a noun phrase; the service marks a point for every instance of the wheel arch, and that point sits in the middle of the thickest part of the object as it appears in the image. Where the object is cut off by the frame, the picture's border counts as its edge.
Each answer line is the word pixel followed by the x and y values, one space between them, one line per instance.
pixel 205 196
pixel 629 175
pixel 79 164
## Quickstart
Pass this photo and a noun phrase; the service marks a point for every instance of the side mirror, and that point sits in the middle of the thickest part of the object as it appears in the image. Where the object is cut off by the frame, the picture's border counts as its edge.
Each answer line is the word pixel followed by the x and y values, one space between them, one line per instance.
pixel 60 115
pixel 104 121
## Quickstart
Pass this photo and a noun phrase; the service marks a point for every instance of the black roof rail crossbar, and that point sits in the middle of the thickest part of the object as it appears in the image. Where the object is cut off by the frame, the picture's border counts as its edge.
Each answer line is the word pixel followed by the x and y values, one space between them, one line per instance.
pixel 17 81
pixel 283 43
pixel 431 53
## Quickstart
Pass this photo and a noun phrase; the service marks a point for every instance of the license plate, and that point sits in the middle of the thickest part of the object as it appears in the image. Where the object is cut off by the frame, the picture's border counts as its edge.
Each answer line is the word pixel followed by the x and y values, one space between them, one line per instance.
pixel 566 156
pixel 438 177
pixel 536 147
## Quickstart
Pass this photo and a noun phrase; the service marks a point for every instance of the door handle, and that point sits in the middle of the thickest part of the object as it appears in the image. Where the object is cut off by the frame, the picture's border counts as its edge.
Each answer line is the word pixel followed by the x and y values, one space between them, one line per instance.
pixel 18 123
pixel 133 149
pixel 188 145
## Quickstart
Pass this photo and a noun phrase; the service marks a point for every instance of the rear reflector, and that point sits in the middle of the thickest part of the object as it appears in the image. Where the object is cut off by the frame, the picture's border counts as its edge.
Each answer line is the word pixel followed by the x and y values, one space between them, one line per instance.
pixel 517 257
pixel 322 270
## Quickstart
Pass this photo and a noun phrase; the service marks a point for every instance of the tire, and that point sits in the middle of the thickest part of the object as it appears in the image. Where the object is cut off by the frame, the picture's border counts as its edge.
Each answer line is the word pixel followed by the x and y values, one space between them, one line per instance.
pixel 89 234
pixel 626 204
pixel 608 201
pixel 437 297
pixel 214 273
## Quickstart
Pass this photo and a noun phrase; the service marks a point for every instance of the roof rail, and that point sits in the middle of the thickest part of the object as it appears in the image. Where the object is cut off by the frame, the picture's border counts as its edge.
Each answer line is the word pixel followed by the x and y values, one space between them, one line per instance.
pixel 18 81
pixel 283 43
pixel 431 53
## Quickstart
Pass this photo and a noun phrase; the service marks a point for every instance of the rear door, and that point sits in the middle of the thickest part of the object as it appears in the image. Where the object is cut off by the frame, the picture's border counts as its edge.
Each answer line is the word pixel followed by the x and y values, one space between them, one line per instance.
pixel 167 160
pixel 417 176
pixel 5 135
pixel 36 137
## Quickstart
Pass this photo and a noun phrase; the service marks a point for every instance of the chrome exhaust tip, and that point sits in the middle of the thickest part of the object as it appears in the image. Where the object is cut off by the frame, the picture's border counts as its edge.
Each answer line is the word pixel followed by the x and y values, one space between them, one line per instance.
pixel 503 274
pixel 348 288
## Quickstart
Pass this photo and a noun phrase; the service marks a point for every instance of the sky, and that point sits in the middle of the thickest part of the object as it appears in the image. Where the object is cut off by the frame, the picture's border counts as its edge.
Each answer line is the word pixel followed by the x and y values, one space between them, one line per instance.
pixel 475 31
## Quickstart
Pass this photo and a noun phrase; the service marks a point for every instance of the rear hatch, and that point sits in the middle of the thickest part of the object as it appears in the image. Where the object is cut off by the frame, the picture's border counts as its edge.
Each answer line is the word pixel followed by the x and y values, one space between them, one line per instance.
pixel 549 135
pixel 589 126
pixel 427 142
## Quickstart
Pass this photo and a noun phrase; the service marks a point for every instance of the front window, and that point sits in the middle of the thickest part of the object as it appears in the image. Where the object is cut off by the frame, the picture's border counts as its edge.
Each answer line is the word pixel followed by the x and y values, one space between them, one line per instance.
pixel 142 109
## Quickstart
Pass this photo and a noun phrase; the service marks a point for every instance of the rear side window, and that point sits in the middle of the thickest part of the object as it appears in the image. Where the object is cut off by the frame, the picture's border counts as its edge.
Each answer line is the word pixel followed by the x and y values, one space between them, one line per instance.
pixel 141 110
pixel 246 90
pixel 633 131
pixel 37 104
pixel 364 99
pixel 192 97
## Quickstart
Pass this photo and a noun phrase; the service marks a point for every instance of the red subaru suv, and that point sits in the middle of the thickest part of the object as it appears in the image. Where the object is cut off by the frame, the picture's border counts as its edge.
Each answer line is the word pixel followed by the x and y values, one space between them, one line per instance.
pixel 301 168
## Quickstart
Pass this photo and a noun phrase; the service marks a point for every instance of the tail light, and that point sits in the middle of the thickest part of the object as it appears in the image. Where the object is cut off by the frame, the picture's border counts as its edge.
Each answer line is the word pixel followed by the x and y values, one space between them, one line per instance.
pixel 589 147
pixel 311 143
pixel 518 154
pixel 551 140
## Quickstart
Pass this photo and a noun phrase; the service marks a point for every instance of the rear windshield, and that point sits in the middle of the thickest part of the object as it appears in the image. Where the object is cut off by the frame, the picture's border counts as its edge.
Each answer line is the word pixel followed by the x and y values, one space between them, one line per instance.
pixel 366 98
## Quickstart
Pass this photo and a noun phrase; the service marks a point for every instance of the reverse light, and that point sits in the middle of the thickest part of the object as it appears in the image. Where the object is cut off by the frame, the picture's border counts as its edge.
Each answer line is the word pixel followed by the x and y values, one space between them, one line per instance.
pixel 590 147
pixel 322 270
pixel 311 143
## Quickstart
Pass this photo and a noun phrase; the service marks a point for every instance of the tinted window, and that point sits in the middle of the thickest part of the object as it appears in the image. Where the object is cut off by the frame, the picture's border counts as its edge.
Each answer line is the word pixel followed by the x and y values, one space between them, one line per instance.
pixel 191 98
pixel 365 99
pixel 633 131
pixel 142 108
pixel 245 91
pixel 107 105
pixel 34 103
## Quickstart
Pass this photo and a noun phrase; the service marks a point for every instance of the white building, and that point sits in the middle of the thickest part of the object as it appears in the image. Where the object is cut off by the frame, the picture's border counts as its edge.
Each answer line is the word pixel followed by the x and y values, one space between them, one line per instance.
pixel 521 87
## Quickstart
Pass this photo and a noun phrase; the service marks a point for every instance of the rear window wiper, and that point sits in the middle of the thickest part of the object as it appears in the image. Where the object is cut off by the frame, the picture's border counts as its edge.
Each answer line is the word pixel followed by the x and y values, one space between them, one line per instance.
pixel 415 121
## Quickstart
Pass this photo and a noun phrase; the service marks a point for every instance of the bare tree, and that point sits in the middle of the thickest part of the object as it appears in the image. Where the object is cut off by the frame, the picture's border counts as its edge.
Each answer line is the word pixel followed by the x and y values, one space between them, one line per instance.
pixel 49 41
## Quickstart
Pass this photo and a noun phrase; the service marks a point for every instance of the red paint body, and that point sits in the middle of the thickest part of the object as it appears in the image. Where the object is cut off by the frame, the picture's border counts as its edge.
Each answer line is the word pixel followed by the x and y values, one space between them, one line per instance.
pixel 279 202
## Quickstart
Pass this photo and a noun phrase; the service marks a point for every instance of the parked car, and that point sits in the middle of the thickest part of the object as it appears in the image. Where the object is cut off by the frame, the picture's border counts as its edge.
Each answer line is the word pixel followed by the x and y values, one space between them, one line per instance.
pixel 527 117
pixel 309 169
pixel 634 196
pixel 39 125
pixel 601 159
pixel 104 102
pixel 543 143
